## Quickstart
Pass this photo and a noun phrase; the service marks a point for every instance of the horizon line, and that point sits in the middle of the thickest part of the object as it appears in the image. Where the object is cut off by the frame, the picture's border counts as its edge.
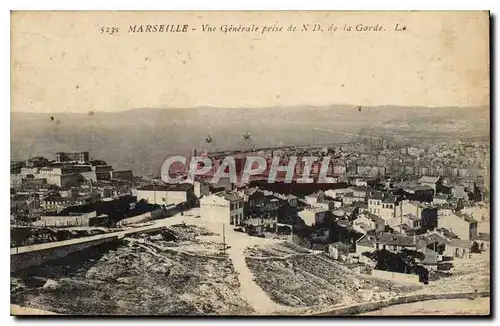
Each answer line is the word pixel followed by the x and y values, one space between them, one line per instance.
pixel 259 107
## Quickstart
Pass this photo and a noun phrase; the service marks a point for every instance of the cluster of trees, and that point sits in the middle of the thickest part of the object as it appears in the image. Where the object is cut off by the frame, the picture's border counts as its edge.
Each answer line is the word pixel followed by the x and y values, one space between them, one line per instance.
pixel 405 261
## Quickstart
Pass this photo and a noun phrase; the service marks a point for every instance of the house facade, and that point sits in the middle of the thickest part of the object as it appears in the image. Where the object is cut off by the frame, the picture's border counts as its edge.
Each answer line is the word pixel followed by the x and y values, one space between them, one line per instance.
pixel 222 207
pixel 464 226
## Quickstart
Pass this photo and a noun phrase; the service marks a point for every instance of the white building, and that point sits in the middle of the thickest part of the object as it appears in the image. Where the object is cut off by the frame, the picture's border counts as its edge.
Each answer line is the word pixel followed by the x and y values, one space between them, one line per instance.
pixel 222 207
pixel 60 176
pixel 312 216
pixel 172 194
pixel 464 226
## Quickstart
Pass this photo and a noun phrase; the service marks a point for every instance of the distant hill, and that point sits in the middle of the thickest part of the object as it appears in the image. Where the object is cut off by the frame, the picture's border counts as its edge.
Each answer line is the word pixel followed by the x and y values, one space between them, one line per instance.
pixel 141 139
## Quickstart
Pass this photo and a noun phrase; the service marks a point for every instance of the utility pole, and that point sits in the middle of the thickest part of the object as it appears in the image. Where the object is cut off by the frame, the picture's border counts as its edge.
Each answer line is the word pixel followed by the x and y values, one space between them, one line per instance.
pixel 223 239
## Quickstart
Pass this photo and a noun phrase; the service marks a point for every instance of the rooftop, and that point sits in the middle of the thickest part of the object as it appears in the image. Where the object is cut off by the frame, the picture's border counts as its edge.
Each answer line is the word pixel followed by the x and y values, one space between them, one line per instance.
pixel 376 195
pixel 483 237
pixel 460 243
pixel 436 237
pixel 167 187
pixel 428 179
pixel 228 196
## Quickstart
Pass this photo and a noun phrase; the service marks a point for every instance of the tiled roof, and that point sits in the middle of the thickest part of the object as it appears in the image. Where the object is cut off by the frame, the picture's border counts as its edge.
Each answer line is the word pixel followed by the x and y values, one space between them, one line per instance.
pixel 366 241
pixel 395 239
pixel 438 238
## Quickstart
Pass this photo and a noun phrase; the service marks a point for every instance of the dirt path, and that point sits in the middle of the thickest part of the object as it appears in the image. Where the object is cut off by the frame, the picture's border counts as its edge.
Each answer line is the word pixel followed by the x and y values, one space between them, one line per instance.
pixel 16 310
pixel 237 242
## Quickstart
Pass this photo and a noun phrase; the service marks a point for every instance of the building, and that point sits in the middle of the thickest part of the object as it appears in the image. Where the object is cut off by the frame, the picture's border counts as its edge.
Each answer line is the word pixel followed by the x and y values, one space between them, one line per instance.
pixel 260 202
pixel 423 193
pixel 223 207
pixel 459 192
pixel 433 182
pixel 390 242
pixel 405 223
pixel 365 223
pixel 426 214
pixel 61 176
pixel 313 198
pixel 464 226
pixel 292 200
pixel 312 216
pixel 338 193
pixel 440 199
pixel 387 206
pixel 122 175
pixel 326 204
pixel 365 244
pixel 79 157
pixel 201 188
pixel 166 194
pixel 458 248
pixel 360 192
pixel 58 203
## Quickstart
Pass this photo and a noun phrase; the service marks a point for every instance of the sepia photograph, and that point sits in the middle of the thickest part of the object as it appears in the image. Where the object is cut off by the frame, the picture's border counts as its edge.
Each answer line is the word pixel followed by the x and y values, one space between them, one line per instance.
pixel 250 163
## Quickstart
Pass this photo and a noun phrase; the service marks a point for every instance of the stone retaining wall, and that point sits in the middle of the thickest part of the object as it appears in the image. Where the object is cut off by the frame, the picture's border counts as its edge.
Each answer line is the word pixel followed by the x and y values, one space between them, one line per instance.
pixel 371 306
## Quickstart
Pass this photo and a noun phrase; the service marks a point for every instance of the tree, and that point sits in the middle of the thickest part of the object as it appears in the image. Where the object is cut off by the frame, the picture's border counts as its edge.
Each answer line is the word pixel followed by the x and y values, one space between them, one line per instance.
pixel 475 247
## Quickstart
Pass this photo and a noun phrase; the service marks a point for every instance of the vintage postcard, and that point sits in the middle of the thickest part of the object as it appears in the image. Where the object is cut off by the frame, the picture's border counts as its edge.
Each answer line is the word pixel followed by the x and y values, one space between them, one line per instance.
pixel 322 163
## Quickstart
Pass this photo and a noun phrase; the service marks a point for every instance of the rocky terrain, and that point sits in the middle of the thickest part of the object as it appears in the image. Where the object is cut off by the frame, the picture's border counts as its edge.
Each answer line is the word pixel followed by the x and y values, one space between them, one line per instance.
pixel 313 281
pixel 166 273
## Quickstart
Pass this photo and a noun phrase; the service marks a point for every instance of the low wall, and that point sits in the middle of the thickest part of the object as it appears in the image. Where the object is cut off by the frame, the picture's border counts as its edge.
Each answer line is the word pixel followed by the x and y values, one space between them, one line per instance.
pixel 401 278
pixel 377 305
pixel 27 256
pixel 32 258
pixel 135 219
pixel 159 213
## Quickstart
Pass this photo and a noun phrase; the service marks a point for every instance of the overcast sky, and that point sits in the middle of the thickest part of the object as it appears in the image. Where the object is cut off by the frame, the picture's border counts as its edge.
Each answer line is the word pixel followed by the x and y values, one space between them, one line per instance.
pixel 61 62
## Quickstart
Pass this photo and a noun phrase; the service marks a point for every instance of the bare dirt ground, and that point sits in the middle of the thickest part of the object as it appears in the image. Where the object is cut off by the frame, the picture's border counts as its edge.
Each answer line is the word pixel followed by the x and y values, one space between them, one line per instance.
pixel 313 281
pixel 469 275
pixel 480 306
pixel 18 310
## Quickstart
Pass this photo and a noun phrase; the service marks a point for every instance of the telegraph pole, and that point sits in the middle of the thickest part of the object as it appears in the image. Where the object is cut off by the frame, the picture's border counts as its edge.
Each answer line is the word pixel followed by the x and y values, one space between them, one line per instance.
pixel 223 239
